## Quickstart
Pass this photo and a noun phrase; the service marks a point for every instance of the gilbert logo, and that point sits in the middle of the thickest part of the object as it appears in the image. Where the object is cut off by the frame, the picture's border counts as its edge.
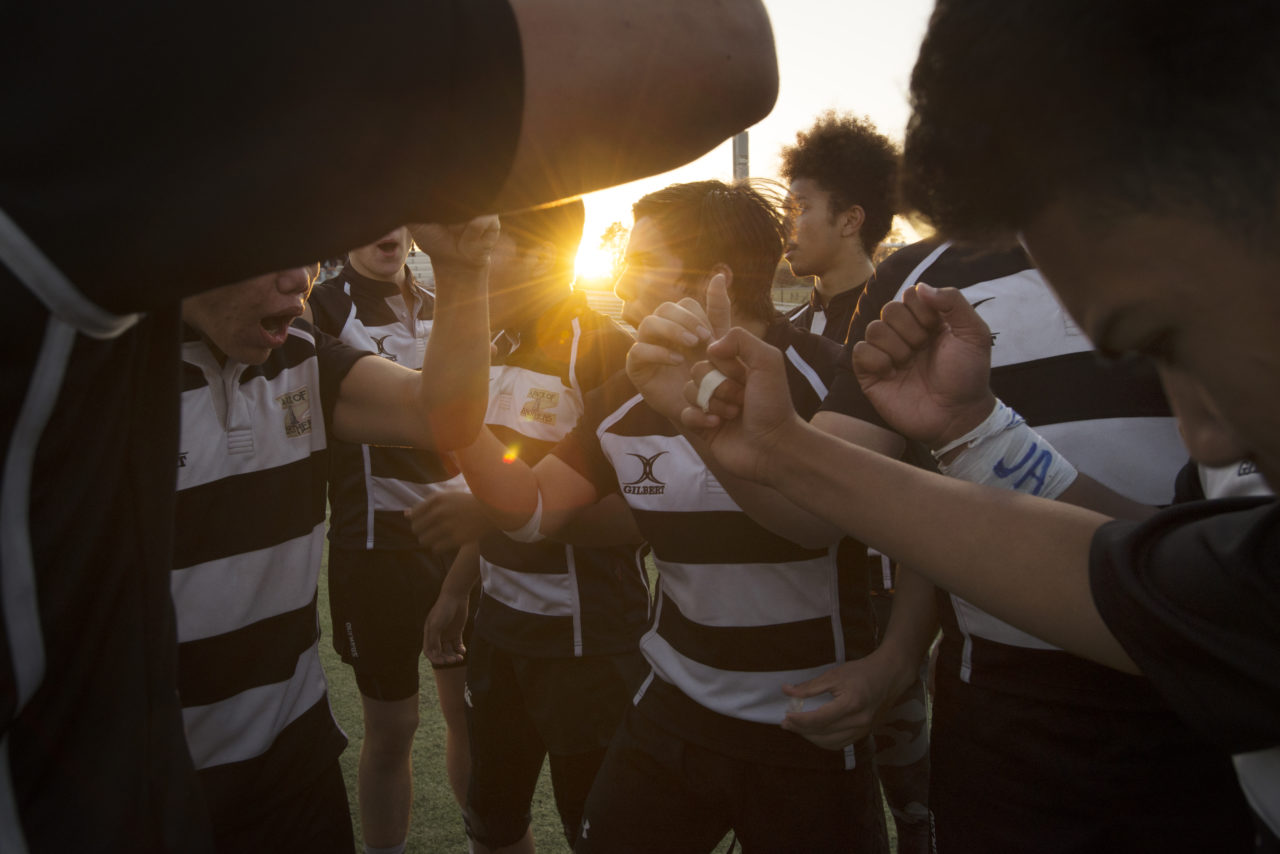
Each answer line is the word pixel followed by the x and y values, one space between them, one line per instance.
pixel 538 405
pixel 297 412
pixel 182 459
pixel 382 347
pixel 647 483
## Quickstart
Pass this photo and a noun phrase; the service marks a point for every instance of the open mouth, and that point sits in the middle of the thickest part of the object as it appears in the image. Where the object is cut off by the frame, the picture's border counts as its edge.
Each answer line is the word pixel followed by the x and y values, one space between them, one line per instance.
pixel 388 246
pixel 277 325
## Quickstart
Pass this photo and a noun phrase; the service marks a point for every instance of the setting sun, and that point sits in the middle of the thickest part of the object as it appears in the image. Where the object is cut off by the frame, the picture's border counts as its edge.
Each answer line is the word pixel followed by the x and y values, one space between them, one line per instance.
pixel 593 262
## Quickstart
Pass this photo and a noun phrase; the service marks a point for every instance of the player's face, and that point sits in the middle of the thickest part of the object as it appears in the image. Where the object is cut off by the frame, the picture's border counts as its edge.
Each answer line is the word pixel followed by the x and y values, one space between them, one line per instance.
pixel 651 275
pixel 384 258
pixel 246 321
pixel 1201 303
pixel 815 242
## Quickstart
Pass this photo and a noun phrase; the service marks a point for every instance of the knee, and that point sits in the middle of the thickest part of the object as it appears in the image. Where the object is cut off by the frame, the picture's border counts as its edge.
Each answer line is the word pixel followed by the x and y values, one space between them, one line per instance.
pixel 495 831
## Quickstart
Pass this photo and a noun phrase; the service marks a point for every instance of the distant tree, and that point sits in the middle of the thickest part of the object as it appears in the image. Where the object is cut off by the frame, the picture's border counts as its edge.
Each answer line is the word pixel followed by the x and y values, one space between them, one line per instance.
pixel 614 241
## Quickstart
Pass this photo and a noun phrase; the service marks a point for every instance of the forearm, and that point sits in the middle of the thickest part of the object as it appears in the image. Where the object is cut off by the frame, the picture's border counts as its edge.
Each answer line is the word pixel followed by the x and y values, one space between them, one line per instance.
pixel 913 626
pixel 605 100
pixel 505 486
pixel 454 386
pixel 1022 559
pixel 463 574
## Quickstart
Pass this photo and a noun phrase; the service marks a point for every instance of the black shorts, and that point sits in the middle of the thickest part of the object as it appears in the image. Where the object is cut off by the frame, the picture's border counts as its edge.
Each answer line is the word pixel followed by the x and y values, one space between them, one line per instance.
pixel 1013 774
pixel 317 820
pixel 379 601
pixel 659 792
pixel 520 710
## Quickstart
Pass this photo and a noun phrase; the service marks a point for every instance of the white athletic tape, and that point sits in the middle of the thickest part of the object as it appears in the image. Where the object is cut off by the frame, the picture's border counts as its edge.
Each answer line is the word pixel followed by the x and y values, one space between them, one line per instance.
pixel 1003 451
pixel 528 532
pixel 708 387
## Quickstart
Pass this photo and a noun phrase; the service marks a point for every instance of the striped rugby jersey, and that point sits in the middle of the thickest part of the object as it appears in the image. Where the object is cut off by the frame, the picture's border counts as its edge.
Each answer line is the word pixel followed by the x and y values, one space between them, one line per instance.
pixel 252 468
pixel 829 322
pixel 740 610
pixel 1111 420
pixel 371 486
pixel 550 599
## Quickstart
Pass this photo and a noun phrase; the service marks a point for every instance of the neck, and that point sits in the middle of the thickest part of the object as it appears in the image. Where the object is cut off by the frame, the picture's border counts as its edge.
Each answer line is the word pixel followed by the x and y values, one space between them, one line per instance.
pixel 844 277
pixel 400 279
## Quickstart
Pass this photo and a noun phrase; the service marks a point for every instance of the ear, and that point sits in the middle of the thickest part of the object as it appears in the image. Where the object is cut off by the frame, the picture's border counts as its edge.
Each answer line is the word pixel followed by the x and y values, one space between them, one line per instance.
pixel 851 221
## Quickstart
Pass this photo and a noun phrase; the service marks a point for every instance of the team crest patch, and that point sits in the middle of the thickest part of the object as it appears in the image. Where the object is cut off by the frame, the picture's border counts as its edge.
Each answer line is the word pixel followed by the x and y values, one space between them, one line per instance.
pixel 297 412
pixel 539 406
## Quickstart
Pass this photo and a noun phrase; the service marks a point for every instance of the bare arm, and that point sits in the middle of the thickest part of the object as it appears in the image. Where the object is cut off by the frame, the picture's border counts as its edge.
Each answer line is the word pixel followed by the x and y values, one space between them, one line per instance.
pixel 607 98
pixel 1023 559
pixel 510 490
pixel 442 406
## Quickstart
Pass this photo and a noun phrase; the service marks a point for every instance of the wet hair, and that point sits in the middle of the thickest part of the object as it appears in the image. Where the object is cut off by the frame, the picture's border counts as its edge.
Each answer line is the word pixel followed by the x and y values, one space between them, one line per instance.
pixel 853 162
pixel 559 225
pixel 1112 106
pixel 705 223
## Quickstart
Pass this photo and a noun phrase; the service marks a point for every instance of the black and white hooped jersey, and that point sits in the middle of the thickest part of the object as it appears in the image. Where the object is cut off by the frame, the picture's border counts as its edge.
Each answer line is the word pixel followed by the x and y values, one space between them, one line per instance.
pixel 829 321
pixel 371 486
pixel 550 599
pixel 740 610
pixel 252 468
pixel 1111 421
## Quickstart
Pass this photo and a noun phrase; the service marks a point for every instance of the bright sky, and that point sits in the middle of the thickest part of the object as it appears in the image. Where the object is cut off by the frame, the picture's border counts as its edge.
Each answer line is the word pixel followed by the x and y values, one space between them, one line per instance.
pixel 847 55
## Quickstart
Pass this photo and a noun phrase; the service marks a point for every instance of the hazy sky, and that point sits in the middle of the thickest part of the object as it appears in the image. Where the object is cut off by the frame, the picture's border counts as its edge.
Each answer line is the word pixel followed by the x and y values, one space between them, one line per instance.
pixel 848 55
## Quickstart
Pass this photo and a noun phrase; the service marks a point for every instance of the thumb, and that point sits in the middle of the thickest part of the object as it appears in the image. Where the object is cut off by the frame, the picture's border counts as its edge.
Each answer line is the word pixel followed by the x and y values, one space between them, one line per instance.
pixel 719 312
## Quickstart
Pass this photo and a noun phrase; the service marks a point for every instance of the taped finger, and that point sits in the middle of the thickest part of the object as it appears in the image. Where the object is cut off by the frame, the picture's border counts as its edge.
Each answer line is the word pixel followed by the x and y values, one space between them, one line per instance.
pixel 707 387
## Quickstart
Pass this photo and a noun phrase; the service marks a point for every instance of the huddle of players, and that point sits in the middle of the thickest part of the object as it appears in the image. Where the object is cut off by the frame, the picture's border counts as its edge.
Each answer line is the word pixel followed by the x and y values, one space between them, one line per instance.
pixel 575 476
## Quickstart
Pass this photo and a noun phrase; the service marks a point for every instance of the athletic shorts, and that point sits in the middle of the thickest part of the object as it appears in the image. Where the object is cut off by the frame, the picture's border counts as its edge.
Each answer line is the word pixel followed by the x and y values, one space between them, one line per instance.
pixel 1017 775
pixel 316 820
pixel 379 601
pixel 520 710
pixel 659 792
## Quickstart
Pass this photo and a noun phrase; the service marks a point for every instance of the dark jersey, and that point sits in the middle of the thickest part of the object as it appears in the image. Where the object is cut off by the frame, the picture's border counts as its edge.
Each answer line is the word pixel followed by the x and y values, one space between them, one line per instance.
pixel 829 321
pixel 252 471
pixel 160 201
pixel 740 610
pixel 551 599
pixel 372 486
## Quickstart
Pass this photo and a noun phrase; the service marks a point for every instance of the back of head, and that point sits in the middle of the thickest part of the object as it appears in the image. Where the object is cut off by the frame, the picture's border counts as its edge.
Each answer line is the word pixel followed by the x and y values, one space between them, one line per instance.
pixel 847 157
pixel 558 225
pixel 706 223
pixel 1116 106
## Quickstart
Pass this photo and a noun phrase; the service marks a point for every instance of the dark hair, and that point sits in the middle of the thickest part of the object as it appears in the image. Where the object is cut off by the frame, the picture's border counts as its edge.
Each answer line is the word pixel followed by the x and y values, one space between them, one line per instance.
pixel 852 161
pixel 1124 105
pixel 559 224
pixel 705 223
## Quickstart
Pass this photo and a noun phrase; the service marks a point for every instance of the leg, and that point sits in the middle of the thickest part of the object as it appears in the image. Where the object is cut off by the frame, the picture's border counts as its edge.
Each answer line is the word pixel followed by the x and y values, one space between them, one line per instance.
pixel 451 685
pixel 506 754
pixel 385 779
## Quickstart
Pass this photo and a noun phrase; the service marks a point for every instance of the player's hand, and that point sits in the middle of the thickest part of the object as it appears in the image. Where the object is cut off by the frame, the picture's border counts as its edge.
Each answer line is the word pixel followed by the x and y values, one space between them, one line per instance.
pixel 860 690
pixel 464 247
pixel 447 519
pixel 750 412
pixel 926 365
pixel 442 633
pixel 669 341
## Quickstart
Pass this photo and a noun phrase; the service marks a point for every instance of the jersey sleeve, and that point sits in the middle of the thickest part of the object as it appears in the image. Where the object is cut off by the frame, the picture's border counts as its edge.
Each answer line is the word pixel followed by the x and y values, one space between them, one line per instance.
pixel 1192 595
pixel 335 358
pixel 251 138
pixel 581 449
pixel 330 307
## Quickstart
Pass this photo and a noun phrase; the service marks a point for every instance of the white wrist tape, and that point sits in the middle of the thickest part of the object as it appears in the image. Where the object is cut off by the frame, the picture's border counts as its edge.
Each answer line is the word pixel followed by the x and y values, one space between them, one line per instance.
pixel 1004 452
pixel 708 387
pixel 528 532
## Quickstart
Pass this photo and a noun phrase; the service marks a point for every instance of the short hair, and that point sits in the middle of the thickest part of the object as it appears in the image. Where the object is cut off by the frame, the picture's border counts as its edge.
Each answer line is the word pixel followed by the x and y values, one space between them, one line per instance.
pixel 852 161
pixel 559 225
pixel 1127 105
pixel 705 223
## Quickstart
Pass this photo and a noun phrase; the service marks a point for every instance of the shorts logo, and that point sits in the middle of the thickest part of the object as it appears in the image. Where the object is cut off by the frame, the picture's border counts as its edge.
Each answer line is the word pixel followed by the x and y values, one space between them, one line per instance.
pixel 297 412
pixel 182 459
pixel 539 406
pixel 640 486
